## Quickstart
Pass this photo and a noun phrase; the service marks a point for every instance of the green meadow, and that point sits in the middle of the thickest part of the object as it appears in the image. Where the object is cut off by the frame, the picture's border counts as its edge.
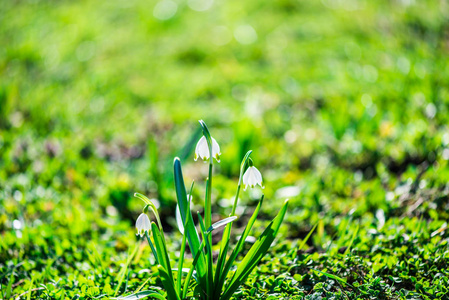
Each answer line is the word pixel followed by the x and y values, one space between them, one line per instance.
pixel 344 103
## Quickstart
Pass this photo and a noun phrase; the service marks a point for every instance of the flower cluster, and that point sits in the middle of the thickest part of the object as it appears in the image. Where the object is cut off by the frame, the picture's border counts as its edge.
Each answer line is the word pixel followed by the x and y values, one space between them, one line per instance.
pixel 212 282
pixel 251 177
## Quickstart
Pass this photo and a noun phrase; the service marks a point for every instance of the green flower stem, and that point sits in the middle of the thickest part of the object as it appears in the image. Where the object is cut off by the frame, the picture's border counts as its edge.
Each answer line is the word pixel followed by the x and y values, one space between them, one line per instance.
pixel 208 200
pixel 245 160
pixel 181 262
pixel 236 200
pixel 208 204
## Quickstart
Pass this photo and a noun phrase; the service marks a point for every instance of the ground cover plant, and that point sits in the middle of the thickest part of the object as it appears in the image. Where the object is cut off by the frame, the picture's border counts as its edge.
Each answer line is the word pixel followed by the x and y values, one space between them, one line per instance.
pixel 344 104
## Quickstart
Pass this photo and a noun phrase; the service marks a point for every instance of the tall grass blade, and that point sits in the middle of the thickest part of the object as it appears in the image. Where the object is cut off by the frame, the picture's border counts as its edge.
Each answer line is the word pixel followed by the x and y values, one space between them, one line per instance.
pixel 167 282
pixel 161 249
pixel 237 249
pixel 192 235
pixel 221 223
pixel 210 279
pixel 255 254
pixel 142 295
pixel 307 237
pixel 121 275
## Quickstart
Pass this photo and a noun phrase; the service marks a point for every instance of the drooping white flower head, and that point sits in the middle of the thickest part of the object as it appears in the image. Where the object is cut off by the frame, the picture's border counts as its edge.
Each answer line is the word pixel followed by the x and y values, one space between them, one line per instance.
pixel 142 224
pixel 252 177
pixel 202 149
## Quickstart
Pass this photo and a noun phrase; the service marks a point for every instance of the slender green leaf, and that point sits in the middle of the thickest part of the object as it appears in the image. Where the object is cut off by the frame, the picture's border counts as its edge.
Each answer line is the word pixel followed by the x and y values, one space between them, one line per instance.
pixel 183 243
pixel 227 232
pixel 9 287
pixel 307 237
pixel 352 240
pixel 220 223
pixel 142 295
pixel 189 275
pixel 255 254
pixel 30 289
pixel 121 275
pixel 161 249
pixel 167 282
pixel 192 235
pixel 152 247
pixel 238 247
pixel 208 203
pixel 210 278
pixel 143 284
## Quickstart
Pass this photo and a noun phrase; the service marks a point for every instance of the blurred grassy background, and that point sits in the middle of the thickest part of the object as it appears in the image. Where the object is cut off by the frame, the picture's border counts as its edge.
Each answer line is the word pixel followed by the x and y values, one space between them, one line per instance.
pixel 344 102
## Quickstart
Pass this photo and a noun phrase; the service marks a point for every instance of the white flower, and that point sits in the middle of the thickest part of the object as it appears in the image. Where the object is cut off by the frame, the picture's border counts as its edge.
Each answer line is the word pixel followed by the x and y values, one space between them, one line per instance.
pixel 252 177
pixel 202 149
pixel 142 224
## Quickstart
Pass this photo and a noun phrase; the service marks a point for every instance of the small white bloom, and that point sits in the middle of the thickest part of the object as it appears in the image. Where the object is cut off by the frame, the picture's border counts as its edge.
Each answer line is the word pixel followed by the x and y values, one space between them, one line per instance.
pixel 252 177
pixel 202 149
pixel 142 224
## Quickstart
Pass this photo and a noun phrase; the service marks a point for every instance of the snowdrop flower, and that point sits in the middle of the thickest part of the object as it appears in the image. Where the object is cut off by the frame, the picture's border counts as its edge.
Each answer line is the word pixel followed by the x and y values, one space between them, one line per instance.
pixel 142 224
pixel 252 177
pixel 202 149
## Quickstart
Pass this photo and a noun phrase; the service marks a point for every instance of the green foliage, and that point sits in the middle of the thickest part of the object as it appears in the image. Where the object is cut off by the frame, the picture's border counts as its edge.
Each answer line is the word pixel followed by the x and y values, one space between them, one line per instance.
pixel 343 102
pixel 211 283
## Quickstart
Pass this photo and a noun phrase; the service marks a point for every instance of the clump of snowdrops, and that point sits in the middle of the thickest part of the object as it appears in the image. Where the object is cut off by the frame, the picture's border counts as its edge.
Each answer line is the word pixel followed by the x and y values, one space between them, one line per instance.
pixel 209 281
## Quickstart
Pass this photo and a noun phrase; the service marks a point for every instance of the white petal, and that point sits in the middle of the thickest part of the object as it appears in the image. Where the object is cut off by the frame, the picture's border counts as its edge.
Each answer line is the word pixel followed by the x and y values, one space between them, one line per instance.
pixel 179 220
pixel 146 223
pixel 142 224
pixel 215 150
pixel 202 149
pixel 245 177
pixel 258 176
pixel 252 177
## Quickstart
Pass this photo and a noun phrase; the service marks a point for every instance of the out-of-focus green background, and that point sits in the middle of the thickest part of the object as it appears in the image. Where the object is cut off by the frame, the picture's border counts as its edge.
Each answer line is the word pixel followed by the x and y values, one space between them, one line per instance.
pixel 344 103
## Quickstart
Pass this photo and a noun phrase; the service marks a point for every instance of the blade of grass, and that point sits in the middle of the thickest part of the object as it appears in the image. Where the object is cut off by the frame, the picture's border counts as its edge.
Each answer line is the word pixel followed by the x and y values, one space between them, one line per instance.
pixel 307 237
pixel 189 275
pixel 227 232
pixel 167 282
pixel 221 223
pixel 161 249
pixel 183 245
pixel 207 203
pixel 30 289
pixel 9 286
pixel 141 295
pixel 192 235
pixel 352 240
pixel 210 279
pixel 255 254
pixel 143 284
pixel 121 275
pixel 334 277
pixel 152 247
pixel 237 249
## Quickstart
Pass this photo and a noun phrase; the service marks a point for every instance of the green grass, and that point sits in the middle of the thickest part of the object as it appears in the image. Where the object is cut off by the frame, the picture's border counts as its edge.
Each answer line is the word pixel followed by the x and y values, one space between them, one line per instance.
pixel 345 103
